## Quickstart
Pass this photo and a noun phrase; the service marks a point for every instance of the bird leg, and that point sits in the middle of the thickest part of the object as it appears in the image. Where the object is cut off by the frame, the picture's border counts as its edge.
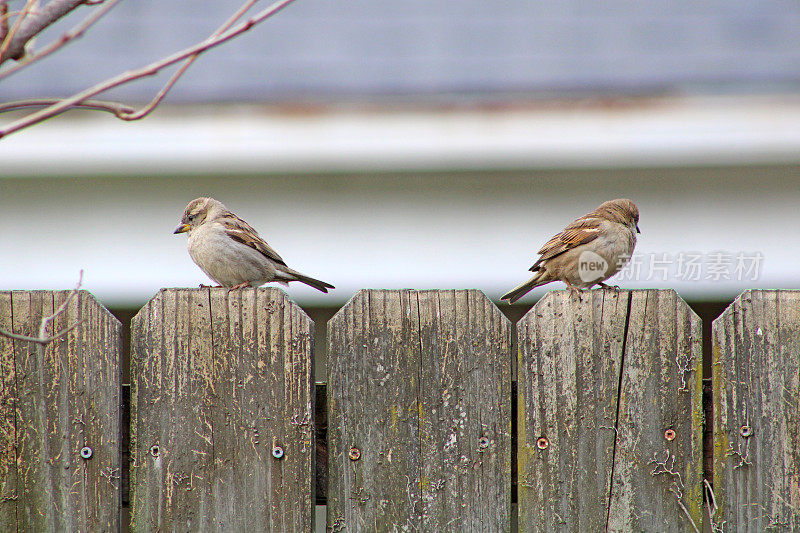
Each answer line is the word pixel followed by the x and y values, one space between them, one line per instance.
pixel 609 287
pixel 210 286
pixel 574 290
pixel 239 286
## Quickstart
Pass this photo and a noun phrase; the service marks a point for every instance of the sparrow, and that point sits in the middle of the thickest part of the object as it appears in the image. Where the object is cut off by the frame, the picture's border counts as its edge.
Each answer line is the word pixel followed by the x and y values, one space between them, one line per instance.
pixel 231 252
pixel 588 251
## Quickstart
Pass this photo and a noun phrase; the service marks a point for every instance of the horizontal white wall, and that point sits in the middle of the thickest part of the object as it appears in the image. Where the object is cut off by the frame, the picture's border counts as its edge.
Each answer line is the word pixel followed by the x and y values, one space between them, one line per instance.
pixel 104 196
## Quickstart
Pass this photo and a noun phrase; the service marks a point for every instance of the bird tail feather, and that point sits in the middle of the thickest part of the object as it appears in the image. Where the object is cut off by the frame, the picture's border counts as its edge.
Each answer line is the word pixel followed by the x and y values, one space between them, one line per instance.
pixel 293 275
pixel 518 292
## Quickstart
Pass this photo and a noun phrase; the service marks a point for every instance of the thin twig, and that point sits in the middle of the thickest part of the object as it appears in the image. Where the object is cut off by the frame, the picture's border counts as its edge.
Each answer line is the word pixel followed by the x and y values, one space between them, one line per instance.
pixel 95 105
pixel 146 110
pixel 42 338
pixel 148 70
pixel 71 35
pixel 61 308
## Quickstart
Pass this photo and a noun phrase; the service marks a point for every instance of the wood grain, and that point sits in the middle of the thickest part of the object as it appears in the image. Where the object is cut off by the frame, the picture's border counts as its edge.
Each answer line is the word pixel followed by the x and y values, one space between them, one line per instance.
pixel 56 399
pixel 219 379
pixel 601 380
pixel 419 386
pixel 756 387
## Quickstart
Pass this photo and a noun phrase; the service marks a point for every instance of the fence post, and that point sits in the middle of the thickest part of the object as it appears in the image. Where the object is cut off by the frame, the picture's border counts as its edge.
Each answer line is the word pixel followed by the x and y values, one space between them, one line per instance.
pixel 610 415
pixel 756 384
pixel 419 413
pixel 221 412
pixel 59 414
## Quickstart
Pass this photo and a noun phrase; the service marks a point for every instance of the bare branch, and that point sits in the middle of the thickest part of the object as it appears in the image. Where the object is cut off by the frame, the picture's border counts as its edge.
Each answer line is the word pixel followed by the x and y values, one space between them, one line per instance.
pixel 146 110
pixel 30 24
pixel 148 70
pixel 71 35
pixel 96 105
pixel 3 22
pixel 9 35
pixel 61 308
pixel 42 338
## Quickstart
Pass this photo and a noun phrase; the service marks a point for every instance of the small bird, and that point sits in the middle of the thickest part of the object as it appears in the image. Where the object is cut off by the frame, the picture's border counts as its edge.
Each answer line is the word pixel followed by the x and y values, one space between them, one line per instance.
pixel 231 252
pixel 588 251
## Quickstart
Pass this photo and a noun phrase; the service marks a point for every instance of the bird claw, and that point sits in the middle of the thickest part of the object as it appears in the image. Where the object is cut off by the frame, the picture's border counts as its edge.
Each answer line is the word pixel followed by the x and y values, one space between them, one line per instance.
pixel 609 287
pixel 239 286
pixel 575 291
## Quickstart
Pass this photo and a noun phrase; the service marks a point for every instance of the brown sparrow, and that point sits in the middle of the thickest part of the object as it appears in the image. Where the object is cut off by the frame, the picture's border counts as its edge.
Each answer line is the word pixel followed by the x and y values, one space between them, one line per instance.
pixel 588 251
pixel 231 252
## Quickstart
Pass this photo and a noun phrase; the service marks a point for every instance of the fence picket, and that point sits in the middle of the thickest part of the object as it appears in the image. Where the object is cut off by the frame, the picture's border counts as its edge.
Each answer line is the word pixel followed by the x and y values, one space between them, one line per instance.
pixel 419 413
pixel 610 413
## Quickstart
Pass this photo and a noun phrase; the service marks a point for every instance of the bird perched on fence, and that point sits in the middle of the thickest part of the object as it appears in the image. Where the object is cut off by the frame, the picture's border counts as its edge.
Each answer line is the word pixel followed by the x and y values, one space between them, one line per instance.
pixel 588 251
pixel 231 252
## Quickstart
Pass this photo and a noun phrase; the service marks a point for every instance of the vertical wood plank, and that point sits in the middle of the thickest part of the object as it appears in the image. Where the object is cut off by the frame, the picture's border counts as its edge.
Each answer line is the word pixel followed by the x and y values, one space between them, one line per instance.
pixel 219 379
pixel 756 391
pixel 419 389
pixel 601 380
pixel 65 397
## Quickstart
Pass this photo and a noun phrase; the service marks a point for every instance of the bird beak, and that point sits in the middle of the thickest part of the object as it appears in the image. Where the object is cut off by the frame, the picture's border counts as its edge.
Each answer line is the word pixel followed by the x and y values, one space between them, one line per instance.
pixel 183 228
pixel 637 229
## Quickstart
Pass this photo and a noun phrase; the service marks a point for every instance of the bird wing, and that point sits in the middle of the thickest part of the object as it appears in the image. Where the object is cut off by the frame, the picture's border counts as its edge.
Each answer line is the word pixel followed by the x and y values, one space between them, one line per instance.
pixel 578 232
pixel 240 231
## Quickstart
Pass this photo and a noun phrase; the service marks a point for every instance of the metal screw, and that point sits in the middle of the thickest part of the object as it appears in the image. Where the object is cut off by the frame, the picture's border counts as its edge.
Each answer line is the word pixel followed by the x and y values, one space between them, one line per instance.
pixel 277 452
pixel 483 442
pixel 154 450
pixel 746 431
pixel 542 443
pixel 86 452
pixel 669 434
pixel 355 454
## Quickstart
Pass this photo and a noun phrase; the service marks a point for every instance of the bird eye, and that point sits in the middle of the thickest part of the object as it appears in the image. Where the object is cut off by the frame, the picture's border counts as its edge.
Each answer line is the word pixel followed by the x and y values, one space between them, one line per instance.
pixel 190 217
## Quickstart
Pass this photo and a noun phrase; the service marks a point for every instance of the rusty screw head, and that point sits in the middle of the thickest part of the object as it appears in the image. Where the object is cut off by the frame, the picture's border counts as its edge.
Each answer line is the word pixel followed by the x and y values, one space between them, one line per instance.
pixel 355 454
pixel 542 443
pixel 746 431
pixel 277 452
pixel 483 442
pixel 86 452
pixel 154 450
pixel 669 434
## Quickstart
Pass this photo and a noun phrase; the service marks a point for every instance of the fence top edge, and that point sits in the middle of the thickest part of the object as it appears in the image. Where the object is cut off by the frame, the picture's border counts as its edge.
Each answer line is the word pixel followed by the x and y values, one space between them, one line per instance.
pixel 272 293
pixel 83 296
pixel 361 293
pixel 749 293
pixel 563 295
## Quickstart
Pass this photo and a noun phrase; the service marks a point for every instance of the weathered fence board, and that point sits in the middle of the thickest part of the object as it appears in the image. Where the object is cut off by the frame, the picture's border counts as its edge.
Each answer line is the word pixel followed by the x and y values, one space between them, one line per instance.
pixel 756 384
pixel 419 413
pixel 222 419
pixel 57 399
pixel 610 413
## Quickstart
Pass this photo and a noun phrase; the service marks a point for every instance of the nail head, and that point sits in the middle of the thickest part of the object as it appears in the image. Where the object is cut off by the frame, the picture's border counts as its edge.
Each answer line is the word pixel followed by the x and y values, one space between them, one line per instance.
pixel 86 452
pixel 483 442
pixel 355 454
pixel 277 452
pixel 746 431
pixel 542 443
pixel 154 450
pixel 669 434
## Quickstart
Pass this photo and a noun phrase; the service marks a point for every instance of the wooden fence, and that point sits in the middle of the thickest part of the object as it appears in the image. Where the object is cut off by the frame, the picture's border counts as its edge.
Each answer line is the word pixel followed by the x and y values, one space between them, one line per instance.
pixel 588 415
